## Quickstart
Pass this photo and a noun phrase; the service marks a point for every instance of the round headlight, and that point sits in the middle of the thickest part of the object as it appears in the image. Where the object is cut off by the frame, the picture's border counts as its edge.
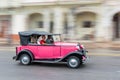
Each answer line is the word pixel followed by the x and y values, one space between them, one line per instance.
pixel 77 47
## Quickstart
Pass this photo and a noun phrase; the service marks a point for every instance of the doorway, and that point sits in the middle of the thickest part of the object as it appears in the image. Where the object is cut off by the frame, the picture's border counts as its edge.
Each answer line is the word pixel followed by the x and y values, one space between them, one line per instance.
pixel 116 28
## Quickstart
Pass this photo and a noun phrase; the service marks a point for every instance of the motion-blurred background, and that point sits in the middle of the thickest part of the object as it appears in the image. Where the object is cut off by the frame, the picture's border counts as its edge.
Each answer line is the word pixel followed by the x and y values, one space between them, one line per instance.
pixel 94 23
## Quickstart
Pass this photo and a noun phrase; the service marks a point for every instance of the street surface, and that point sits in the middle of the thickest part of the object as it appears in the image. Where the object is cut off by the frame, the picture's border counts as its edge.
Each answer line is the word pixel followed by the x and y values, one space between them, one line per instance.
pixel 98 67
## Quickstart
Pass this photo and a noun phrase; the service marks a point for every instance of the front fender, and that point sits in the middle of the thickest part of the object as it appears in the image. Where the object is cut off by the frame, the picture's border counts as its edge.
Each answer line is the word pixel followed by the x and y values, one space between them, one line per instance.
pixel 75 53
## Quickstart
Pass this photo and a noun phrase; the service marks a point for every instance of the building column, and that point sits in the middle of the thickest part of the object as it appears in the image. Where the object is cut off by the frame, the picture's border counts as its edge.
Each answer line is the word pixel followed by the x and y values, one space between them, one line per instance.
pixel 71 24
pixel 119 25
pixel 108 27
pixel 19 23
pixel 58 20
pixel 46 20
pixel 104 30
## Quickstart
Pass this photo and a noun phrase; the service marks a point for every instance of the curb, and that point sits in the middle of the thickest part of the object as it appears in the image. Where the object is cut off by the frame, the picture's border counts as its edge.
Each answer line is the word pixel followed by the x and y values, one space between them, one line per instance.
pixel 7 48
pixel 104 54
pixel 91 52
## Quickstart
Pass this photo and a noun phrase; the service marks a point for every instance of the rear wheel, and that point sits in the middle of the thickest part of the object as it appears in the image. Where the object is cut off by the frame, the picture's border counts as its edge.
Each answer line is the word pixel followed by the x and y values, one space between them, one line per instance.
pixel 73 62
pixel 25 59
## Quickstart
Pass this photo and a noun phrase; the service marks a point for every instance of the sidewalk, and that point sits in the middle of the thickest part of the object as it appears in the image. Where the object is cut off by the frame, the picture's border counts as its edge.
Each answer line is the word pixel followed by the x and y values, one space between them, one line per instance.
pixel 94 52
pixel 7 47
pixel 104 52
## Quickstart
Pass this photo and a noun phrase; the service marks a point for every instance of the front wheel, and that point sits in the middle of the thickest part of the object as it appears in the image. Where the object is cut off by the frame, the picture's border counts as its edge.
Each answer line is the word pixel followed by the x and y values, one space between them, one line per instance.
pixel 25 59
pixel 73 62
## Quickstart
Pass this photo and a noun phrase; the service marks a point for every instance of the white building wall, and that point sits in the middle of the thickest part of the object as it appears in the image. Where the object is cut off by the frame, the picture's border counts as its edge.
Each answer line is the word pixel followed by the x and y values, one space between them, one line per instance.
pixel 104 12
pixel 3 3
pixel 85 16
pixel 18 23
pixel 31 1
pixel 46 20
pixel 58 20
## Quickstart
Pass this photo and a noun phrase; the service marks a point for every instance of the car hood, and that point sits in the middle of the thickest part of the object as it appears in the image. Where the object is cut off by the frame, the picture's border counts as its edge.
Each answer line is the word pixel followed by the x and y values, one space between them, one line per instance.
pixel 65 44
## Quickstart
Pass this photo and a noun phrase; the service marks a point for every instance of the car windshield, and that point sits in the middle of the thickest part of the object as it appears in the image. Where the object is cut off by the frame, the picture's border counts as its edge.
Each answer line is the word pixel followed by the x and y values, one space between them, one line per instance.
pixel 56 38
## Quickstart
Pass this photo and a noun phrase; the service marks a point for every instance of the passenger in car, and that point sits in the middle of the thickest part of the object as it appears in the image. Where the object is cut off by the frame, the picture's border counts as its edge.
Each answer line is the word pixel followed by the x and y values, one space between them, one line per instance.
pixel 33 39
pixel 42 42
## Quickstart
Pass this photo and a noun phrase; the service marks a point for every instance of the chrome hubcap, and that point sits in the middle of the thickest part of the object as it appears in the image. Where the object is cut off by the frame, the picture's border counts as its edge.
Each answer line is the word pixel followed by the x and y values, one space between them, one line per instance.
pixel 25 60
pixel 73 62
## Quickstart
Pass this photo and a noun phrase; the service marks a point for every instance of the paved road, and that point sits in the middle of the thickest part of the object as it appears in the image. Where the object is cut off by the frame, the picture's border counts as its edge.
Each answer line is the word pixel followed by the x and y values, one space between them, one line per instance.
pixel 98 67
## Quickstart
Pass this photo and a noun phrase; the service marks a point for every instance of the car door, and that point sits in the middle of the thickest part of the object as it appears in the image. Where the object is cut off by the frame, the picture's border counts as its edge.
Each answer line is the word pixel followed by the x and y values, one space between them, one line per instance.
pixel 45 51
pixel 56 51
pixel 49 51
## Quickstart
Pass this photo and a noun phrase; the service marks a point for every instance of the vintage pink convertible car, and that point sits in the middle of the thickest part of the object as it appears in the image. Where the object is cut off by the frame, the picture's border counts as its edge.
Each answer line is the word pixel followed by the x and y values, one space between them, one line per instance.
pixel 74 54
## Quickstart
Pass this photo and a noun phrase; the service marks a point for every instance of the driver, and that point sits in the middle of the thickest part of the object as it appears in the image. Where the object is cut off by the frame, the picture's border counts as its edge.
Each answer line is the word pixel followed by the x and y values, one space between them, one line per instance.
pixel 49 40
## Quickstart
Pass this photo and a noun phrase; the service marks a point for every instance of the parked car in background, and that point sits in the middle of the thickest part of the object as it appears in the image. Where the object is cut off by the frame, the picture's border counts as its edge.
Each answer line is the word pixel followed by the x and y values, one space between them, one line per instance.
pixel 30 50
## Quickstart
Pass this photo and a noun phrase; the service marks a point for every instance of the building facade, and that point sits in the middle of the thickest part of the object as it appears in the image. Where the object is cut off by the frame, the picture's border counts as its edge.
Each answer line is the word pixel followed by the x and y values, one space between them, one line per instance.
pixel 93 20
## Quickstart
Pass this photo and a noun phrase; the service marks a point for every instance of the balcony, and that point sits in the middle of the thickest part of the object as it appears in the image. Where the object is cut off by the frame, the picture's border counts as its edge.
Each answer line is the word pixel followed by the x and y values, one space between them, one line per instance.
pixel 80 1
pixel 54 2
pixel 10 3
pixel 18 3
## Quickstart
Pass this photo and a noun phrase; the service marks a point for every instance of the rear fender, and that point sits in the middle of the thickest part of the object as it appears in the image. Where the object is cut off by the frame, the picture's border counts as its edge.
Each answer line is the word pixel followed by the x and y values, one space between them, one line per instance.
pixel 25 52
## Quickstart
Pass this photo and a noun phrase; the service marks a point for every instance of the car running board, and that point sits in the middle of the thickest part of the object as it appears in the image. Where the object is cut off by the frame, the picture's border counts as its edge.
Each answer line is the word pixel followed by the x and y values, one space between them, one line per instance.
pixel 47 61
